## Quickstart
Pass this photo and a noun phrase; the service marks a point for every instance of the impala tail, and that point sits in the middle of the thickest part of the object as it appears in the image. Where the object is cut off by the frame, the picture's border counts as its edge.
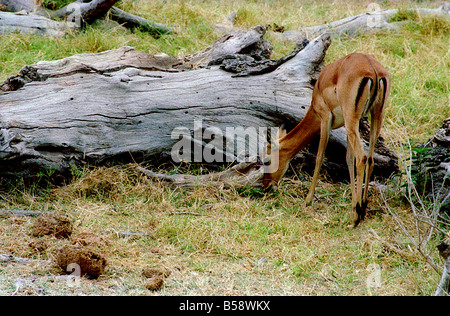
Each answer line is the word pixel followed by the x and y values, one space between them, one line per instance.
pixel 374 105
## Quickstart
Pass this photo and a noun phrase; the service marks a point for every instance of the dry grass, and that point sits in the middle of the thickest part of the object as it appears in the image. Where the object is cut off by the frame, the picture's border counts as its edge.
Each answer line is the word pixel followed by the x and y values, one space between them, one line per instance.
pixel 216 242
pixel 241 241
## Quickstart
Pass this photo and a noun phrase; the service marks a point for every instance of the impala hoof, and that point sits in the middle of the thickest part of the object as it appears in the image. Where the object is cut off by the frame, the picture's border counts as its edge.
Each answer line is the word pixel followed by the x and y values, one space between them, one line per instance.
pixel 360 213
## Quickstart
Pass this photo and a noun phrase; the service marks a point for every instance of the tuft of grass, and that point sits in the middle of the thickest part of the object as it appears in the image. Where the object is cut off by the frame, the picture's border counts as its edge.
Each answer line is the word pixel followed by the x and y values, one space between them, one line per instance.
pixel 404 15
pixel 54 4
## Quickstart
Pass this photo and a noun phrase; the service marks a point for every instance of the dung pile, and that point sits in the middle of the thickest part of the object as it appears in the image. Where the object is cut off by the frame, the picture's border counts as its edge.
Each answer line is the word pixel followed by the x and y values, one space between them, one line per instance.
pixel 81 259
pixel 52 224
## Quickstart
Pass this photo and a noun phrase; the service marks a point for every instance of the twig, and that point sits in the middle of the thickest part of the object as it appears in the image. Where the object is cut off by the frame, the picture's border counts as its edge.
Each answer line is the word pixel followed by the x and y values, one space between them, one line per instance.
pixel 420 243
pixel 6 258
pixel 389 245
pixel 8 213
pixel 188 213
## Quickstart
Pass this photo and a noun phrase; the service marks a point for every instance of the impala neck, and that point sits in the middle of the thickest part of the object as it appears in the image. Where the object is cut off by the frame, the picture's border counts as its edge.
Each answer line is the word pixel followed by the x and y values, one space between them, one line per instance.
pixel 300 136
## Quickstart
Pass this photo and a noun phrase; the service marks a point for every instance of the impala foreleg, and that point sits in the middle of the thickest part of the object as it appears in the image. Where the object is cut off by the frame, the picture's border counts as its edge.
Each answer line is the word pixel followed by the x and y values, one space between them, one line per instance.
pixel 325 128
pixel 351 168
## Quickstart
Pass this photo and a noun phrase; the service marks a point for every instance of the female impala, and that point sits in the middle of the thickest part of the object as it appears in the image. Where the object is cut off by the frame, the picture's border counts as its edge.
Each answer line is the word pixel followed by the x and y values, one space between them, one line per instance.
pixel 347 90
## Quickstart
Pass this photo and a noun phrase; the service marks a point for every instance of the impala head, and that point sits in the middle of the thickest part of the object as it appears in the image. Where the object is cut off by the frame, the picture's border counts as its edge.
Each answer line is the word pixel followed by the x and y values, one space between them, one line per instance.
pixel 274 164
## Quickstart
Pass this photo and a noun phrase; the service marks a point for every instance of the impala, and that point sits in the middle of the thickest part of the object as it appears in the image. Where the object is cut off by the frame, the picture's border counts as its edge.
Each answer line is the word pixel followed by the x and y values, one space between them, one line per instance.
pixel 352 87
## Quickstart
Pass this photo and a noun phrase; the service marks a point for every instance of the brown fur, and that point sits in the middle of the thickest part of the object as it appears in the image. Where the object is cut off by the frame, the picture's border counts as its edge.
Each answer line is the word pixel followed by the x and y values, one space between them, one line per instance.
pixel 347 90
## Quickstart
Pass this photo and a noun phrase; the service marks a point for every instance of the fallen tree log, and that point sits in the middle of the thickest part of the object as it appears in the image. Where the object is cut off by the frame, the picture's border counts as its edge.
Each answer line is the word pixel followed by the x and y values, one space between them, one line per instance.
pixel 76 14
pixel 31 213
pixel 131 106
pixel 87 11
pixel 7 258
pixel 431 169
pixel 134 21
pixel 374 20
pixel 363 23
pixel 29 23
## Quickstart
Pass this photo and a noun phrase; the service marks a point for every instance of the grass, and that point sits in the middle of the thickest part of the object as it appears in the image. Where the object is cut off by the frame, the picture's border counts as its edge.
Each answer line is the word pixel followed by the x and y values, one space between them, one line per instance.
pixel 205 233
pixel 236 241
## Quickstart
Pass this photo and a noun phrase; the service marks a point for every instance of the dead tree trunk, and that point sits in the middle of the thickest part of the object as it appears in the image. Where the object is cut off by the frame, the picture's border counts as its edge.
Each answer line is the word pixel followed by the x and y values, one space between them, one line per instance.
pixel 128 105
pixel 86 10
pixel 431 169
pixel 133 21
pixel 363 23
pixel 374 20
pixel 38 20
pixel 33 24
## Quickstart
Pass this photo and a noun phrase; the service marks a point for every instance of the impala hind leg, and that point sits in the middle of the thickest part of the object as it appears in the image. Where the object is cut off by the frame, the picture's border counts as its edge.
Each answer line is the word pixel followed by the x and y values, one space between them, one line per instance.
pixel 376 120
pixel 356 158
pixel 375 129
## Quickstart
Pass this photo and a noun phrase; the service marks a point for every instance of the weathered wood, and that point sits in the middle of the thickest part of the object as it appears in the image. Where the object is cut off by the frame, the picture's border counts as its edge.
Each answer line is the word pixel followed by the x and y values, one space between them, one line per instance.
pixel 248 173
pixel 374 20
pixel 9 213
pixel 7 258
pixel 123 104
pixel 18 5
pixel 431 168
pixel 77 13
pixel 84 11
pixel 134 21
pixel 30 23
pixel 362 23
pixel 247 42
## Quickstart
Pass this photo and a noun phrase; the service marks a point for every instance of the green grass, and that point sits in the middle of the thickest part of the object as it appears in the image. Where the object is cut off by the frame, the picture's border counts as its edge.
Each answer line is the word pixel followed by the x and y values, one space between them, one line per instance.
pixel 242 240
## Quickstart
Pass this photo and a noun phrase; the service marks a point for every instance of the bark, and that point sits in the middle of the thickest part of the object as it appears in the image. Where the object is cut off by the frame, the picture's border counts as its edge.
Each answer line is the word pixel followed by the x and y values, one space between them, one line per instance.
pixel 431 168
pixel 7 258
pixel 76 15
pixel 27 213
pixel 362 23
pixel 134 21
pixel 247 173
pixel 18 5
pixel 351 26
pixel 88 12
pixel 124 105
pixel 30 23
pixel 85 10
